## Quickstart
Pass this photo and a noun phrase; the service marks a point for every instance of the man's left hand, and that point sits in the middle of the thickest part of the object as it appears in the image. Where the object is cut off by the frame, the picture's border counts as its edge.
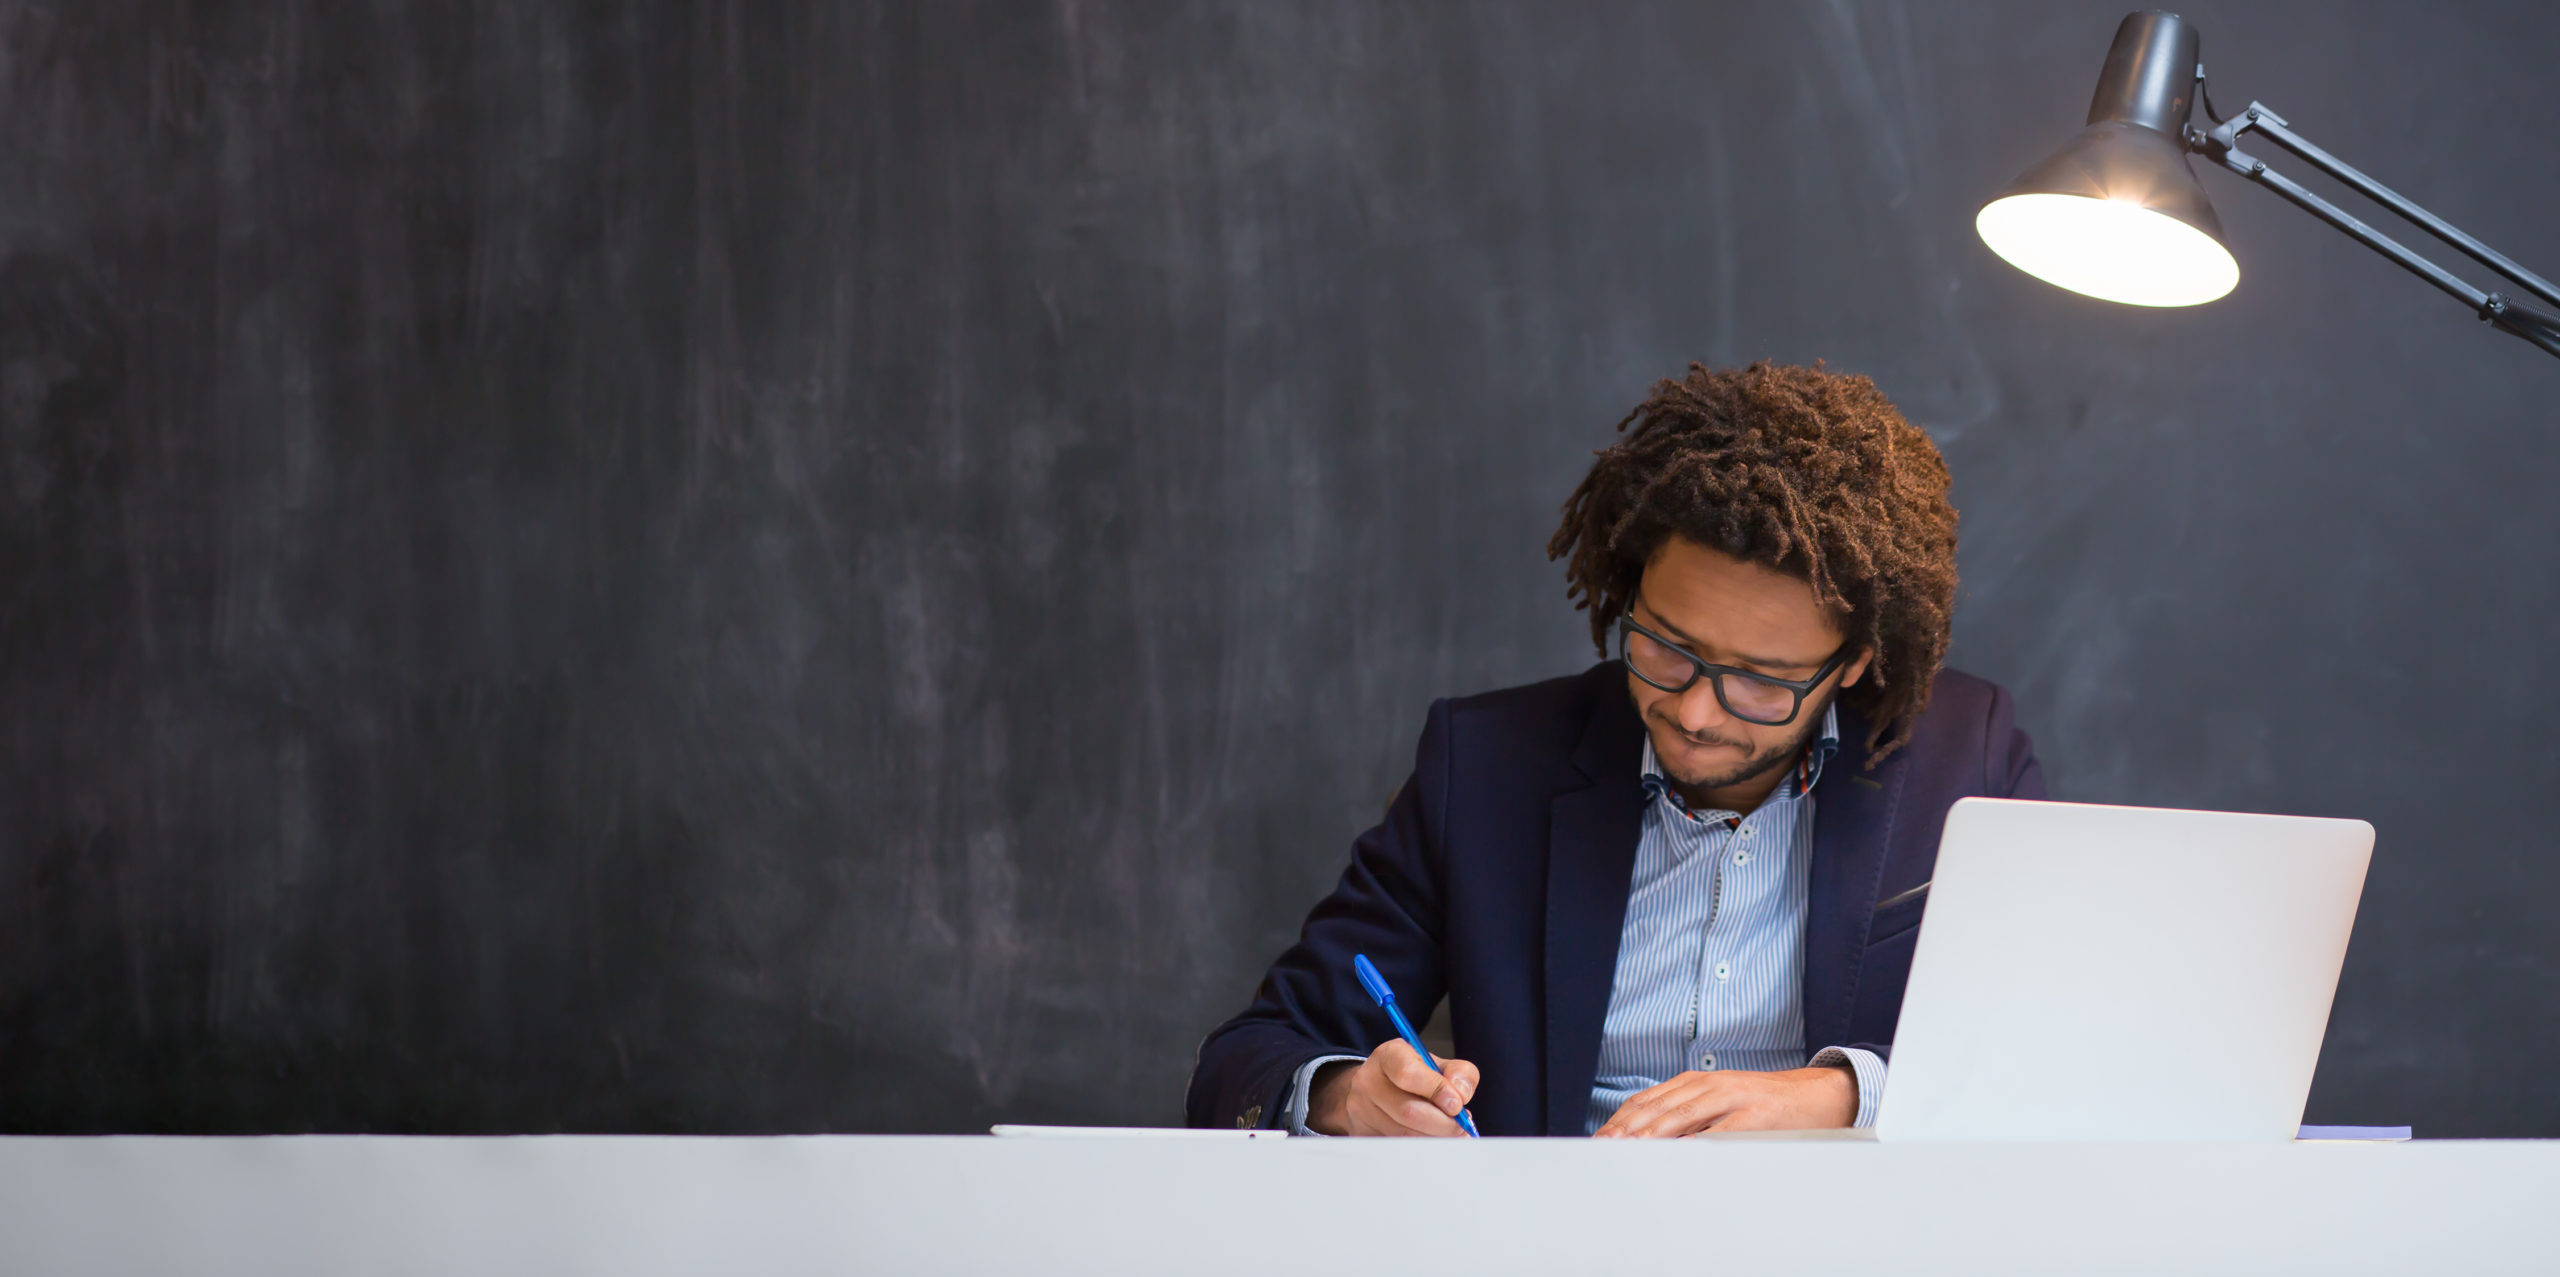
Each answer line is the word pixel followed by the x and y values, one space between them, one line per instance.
pixel 1795 1100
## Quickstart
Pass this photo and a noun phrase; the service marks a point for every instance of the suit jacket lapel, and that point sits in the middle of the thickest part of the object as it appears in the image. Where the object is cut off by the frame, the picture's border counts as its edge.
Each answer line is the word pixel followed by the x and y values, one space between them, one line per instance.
pixel 1854 811
pixel 1591 856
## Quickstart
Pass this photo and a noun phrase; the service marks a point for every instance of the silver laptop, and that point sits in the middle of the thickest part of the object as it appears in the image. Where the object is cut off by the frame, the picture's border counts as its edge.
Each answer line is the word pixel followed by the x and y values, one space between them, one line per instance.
pixel 2121 973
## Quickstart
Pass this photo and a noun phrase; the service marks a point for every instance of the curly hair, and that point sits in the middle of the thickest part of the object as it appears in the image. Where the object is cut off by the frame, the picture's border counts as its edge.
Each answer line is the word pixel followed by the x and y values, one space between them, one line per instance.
pixel 1811 473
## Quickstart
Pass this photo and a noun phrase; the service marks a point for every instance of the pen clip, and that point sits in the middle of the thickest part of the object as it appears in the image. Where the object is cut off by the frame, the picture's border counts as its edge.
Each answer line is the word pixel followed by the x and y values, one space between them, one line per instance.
pixel 1370 979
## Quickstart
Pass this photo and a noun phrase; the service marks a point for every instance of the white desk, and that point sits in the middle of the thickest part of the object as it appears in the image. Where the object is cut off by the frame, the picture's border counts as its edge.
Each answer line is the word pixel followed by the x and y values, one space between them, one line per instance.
pixel 899 1205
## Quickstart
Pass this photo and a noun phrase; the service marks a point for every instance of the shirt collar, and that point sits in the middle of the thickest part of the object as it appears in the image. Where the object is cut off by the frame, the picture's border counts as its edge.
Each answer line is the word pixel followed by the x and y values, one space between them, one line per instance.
pixel 1799 780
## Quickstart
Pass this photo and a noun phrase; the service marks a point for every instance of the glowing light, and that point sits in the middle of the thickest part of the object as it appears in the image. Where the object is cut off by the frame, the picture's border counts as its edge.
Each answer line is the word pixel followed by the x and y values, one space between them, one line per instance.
pixel 2114 250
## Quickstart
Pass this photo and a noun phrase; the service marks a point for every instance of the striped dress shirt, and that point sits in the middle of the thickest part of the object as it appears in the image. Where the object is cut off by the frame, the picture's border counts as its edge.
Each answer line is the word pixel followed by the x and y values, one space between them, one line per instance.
pixel 1711 955
pixel 1710 971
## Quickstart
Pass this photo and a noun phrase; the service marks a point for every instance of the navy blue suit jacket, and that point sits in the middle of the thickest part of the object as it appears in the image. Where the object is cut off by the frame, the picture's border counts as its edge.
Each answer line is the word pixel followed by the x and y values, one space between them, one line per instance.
pixel 1499 879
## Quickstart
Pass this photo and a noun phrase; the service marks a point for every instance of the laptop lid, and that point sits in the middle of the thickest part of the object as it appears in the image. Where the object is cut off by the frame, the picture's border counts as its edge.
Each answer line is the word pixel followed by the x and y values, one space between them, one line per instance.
pixel 2121 973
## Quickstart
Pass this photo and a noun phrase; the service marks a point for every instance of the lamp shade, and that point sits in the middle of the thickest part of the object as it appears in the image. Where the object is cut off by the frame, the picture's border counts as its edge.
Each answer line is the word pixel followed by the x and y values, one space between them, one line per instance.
pixel 2117 213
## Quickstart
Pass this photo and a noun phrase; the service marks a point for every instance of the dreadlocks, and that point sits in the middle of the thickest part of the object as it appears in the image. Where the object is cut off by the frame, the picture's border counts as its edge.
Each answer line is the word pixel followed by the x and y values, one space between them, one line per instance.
pixel 1811 473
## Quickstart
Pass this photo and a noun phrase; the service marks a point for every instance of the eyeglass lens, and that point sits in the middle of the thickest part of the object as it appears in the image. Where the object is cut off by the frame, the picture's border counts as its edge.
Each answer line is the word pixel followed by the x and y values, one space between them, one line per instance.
pixel 1746 697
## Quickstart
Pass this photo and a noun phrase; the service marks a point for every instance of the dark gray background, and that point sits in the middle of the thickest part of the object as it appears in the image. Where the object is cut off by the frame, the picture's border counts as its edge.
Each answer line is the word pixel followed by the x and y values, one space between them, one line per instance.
pixel 820 566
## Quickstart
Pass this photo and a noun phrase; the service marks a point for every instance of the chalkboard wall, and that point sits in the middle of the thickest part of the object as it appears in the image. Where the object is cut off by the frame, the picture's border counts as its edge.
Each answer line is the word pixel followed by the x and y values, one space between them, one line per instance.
pixel 796 566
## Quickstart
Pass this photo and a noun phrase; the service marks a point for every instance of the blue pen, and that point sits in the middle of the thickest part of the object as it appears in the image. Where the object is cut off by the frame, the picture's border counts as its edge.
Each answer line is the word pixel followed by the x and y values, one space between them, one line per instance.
pixel 1377 986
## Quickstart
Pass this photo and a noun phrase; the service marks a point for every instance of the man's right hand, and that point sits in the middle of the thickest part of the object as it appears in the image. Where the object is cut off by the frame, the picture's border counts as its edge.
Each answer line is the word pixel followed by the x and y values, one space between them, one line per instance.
pixel 1391 1093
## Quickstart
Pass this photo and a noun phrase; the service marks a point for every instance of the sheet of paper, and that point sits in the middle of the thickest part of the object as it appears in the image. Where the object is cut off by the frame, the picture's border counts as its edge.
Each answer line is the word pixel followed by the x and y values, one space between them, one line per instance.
pixel 2354 1133
pixel 1132 1132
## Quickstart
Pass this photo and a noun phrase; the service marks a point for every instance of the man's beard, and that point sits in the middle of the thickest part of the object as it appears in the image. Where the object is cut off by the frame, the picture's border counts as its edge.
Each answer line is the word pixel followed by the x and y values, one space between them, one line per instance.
pixel 1752 768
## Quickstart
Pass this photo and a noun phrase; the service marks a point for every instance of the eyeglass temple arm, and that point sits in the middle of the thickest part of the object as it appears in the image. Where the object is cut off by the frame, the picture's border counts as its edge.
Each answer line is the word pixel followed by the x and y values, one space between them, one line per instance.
pixel 2530 322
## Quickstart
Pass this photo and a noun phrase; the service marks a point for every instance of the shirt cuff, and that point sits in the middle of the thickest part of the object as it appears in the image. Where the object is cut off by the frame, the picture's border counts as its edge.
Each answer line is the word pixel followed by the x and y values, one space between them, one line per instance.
pixel 1298 1087
pixel 1869 1067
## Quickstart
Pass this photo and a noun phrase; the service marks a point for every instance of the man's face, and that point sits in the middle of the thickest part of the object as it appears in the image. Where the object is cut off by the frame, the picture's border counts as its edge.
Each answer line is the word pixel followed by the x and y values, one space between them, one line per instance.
pixel 1729 612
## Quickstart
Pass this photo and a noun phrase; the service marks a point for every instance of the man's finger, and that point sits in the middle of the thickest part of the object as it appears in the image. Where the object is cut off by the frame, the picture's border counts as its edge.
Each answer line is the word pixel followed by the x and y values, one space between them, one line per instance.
pixel 1682 1106
pixel 1409 1074
pixel 1423 1118
pixel 1617 1122
pixel 1632 1116
pixel 1402 1114
pixel 1690 1114
pixel 1632 1110
pixel 1640 1124
pixel 1461 1085
pixel 1406 1069
pixel 1464 1076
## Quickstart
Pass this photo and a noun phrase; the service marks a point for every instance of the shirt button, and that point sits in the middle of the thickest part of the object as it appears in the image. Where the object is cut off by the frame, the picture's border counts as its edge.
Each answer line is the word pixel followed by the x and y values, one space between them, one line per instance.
pixel 1708 1060
pixel 1724 970
pixel 1742 857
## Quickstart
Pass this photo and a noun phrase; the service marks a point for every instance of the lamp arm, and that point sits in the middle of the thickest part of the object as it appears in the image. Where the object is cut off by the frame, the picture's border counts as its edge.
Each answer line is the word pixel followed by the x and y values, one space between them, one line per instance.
pixel 2260 120
pixel 2530 322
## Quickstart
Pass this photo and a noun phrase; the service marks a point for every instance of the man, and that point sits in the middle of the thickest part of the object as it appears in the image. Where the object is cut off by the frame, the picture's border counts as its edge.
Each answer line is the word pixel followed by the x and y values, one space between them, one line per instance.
pixel 1649 891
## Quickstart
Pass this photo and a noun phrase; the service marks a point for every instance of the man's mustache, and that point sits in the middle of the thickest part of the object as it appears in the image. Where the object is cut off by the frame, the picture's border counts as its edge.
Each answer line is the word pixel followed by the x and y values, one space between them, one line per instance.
pixel 1695 739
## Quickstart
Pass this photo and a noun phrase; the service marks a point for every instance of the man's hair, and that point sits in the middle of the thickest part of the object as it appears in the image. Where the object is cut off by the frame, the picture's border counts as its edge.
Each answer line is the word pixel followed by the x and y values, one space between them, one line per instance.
pixel 1811 473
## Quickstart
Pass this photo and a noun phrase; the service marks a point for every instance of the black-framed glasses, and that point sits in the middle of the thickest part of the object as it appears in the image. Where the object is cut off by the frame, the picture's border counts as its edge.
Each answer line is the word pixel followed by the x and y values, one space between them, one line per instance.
pixel 1753 698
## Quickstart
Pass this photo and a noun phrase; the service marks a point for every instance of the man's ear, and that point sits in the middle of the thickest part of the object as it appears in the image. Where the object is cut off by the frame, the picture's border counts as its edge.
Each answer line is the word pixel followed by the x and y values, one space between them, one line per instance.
pixel 1856 668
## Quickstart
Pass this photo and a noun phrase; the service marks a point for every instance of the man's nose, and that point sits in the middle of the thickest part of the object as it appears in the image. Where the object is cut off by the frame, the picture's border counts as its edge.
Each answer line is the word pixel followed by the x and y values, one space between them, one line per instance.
pixel 1698 710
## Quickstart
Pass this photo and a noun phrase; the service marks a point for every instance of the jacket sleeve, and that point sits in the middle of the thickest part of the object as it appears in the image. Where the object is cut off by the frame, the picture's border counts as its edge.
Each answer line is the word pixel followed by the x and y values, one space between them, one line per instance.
pixel 1387 905
pixel 2010 769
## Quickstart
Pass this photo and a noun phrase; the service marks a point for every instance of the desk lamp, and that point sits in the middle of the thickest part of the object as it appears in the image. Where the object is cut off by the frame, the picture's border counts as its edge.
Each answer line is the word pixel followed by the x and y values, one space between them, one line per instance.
pixel 2117 213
